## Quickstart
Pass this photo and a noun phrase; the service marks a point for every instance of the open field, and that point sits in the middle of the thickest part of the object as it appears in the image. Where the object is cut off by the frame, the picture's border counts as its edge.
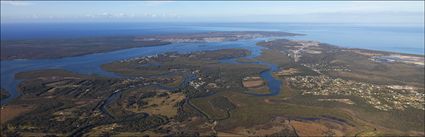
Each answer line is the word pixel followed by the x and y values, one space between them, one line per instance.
pixel 12 111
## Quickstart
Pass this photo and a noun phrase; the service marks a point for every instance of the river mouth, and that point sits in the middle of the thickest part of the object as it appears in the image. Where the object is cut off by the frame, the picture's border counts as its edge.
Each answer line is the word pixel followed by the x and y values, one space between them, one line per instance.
pixel 90 64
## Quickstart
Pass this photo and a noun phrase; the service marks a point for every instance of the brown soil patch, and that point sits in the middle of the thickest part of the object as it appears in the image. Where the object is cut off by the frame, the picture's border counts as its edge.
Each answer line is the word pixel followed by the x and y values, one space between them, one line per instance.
pixel 86 101
pixel 321 128
pixel 11 111
pixel 274 101
pixel 99 130
pixel 268 101
pixel 309 128
pixel 261 90
pixel 252 82
pixel 224 134
pixel 161 105
pixel 276 125
pixel 287 72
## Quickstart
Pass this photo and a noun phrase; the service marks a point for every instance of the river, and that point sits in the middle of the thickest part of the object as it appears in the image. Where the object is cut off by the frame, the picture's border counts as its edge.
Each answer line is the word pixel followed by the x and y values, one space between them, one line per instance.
pixel 90 64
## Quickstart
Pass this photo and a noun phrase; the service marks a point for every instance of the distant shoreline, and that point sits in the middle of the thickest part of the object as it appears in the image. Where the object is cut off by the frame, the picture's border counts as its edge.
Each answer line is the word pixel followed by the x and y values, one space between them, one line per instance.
pixel 72 47
pixel 400 38
pixel 42 49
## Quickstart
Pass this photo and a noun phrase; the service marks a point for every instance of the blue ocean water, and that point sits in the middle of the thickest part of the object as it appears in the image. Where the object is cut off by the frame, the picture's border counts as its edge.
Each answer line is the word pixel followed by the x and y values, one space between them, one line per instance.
pixel 385 37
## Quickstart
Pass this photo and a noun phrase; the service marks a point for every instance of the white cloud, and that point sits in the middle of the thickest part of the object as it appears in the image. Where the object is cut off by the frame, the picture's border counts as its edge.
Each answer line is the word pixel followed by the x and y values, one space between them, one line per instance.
pixel 156 3
pixel 16 3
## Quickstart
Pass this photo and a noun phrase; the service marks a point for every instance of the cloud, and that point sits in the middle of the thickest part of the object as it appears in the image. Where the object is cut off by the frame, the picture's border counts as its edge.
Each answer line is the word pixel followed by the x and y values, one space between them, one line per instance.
pixel 110 15
pixel 156 3
pixel 16 3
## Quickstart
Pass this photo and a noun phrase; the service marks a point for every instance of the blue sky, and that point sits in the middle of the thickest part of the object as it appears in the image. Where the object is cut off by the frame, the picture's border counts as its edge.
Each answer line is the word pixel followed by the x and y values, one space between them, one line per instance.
pixel 411 12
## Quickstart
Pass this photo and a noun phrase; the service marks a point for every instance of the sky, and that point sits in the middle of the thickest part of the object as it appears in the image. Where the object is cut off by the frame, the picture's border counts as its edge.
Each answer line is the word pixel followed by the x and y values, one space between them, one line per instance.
pixel 408 12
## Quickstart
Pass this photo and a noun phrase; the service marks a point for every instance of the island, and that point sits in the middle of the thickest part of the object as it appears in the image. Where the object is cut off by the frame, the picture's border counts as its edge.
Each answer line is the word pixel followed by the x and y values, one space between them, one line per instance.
pixel 43 48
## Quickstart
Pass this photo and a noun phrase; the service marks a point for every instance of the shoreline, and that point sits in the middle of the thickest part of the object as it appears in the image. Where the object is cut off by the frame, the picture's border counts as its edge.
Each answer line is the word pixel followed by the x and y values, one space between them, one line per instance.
pixel 135 42
pixel 72 47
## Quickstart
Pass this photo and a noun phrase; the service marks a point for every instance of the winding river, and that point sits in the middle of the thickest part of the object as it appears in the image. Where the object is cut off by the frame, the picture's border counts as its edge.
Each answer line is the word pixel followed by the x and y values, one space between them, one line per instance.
pixel 90 64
